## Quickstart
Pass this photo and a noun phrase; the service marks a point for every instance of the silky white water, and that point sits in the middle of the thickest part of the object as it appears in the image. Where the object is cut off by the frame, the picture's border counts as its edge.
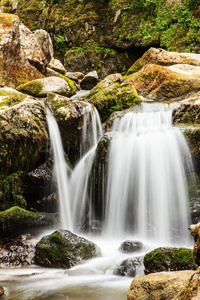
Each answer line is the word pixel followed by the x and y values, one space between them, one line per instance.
pixel 60 168
pixel 147 192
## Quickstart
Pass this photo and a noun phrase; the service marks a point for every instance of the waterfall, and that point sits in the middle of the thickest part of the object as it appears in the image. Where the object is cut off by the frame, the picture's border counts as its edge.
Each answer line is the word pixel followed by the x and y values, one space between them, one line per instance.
pixel 146 191
pixel 60 168
pixel 79 181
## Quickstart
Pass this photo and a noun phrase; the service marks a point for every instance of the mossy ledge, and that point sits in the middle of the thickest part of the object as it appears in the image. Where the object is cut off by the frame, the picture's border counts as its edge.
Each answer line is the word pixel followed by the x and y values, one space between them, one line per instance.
pixel 32 88
pixel 17 220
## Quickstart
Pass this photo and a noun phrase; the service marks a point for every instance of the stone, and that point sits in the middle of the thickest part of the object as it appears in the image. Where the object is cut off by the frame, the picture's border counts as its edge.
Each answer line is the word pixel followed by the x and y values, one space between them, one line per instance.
pixel 169 259
pixel 63 249
pixel 57 66
pixel 114 93
pixel 44 40
pixel 162 57
pixel 16 220
pixel 159 286
pixel 1 290
pixel 89 81
pixel 31 48
pixel 23 132
pixel 18 252
pixel 195 232
pixel 40 87
pixel 128 267
pixel 163 83
pixel 130 246
pixel 76 76
pixel 191 290
pixel 15 68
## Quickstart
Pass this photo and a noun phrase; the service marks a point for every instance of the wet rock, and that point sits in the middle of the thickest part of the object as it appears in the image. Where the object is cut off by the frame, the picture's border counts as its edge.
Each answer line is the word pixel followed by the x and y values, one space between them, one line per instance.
pixel 18 252
pixel 16 220
pixel 159 286
pixel 191 291
pixel 63 249
pixel 40 87
pixel 169 259
pixel 162 57
pixel 44 40
pixel 165 83
pixel 112 94
pixel 130 246
pixel 89 81
pixel 15 68
pixel 129 267
pixel 31 48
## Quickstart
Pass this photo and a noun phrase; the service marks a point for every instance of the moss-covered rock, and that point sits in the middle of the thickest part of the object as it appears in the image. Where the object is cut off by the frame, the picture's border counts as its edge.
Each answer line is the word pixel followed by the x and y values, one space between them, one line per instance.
pixel 23 133
pixel 162 83
pixel 112 94
pixel 16 220
pixel 63 249
pixel 164 58
pixel 169 259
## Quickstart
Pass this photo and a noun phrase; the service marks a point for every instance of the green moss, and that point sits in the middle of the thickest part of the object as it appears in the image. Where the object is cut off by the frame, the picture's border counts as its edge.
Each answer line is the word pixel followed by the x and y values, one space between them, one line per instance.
pixel 10 97
pixel 32 88
pixel 16 220
pixel 167 259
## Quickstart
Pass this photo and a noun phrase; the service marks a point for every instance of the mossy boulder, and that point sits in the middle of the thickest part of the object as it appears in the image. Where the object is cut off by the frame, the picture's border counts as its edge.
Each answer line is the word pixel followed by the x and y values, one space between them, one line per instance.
pixel 112 94
pixel 163 83
pixel 169 259
pixel 23 133
pixel 17 220
pixel 63 249
pixel 40 87
pixel 164 58
pixel 15 68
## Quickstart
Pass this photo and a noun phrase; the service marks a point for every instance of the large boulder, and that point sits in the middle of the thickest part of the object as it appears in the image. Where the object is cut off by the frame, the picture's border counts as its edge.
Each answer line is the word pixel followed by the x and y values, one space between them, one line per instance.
pixel 191 291
pixel 159 286
pixel 112 94
pixel 169 259
pixel 166 83
pixel 195 232
pixel 15 68
pixel 40 87
pixel 31 48
pixel 44 40
pixel 16 220
pixel 162 57
pixel 23 132
pixel 63 249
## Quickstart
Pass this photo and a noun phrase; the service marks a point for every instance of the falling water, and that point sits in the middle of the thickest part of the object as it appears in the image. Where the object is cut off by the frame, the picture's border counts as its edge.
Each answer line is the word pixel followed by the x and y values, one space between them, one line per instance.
pixel 91 133
pixel 148 163
pixel 60 168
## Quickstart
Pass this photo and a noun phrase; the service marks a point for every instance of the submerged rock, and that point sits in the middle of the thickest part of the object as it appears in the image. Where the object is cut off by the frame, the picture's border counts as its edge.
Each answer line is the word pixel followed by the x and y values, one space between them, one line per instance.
pixel 15 68
pixel 163 83
pixel 162 57
pixel 159 286
pixel 129 267
pixel 130 246
pixel 169 259
pixel 16 220
pixel 63 249
pixel 112 94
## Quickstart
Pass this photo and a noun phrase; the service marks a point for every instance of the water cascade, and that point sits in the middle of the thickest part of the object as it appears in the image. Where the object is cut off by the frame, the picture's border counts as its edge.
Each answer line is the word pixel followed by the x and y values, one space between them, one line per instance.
pixel 60 168
pixel 91 133
pixel 146 190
